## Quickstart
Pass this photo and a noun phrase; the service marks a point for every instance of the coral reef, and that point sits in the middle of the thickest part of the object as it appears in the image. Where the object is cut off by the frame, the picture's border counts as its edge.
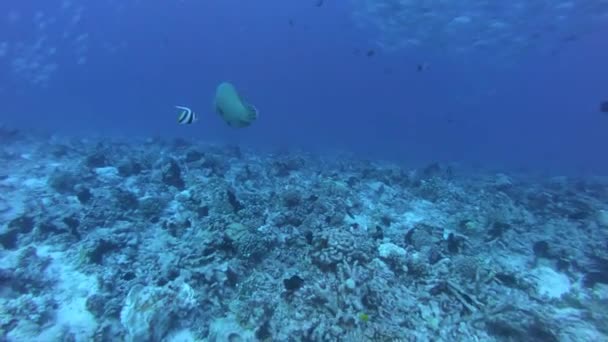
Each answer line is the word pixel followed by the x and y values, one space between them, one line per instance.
pixel 152 240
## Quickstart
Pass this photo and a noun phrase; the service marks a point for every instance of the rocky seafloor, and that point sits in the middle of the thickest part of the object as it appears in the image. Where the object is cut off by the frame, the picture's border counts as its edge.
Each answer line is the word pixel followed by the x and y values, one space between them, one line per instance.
pixel 172 240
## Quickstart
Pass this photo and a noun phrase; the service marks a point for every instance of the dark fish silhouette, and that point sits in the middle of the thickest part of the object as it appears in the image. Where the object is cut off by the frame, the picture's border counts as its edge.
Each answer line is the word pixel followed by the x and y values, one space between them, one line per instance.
pixel 291 23
pixel 319 3
pixel 604 107
pixel 370 53
pixel 422 66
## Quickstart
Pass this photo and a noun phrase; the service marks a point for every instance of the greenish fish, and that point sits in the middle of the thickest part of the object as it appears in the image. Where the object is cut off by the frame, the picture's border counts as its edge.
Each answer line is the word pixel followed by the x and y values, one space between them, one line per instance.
pixel 232 108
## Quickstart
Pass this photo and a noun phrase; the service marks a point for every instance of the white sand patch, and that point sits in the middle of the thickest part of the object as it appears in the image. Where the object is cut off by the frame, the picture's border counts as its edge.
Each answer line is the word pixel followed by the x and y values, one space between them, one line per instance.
pixel 362 221
pixel 550 283
pixel 108 174
pixel 35 183
pixel 182 336
pixel 421 211
pixel 71 292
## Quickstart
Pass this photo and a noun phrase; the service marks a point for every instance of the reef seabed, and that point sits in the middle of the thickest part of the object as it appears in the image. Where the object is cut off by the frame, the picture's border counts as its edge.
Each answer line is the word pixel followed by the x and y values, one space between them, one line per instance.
pixel 171 240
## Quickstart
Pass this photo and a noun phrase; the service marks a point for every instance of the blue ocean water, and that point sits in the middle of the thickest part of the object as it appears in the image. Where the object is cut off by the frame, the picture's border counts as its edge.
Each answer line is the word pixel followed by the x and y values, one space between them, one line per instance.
pixel 509 105
pixel 418 171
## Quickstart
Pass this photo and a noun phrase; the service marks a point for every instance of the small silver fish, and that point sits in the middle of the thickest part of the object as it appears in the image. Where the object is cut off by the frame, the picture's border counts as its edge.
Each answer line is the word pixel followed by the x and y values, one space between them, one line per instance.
pixel 187 116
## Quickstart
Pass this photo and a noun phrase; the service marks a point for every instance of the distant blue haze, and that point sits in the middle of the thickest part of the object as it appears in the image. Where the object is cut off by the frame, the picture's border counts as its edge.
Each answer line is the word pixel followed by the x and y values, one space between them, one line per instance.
pixel 312 88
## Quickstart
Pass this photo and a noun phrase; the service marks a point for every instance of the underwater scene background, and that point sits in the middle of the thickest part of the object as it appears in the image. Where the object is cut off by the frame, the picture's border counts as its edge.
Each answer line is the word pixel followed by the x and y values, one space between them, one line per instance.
pixel 315 170
pixel 525 94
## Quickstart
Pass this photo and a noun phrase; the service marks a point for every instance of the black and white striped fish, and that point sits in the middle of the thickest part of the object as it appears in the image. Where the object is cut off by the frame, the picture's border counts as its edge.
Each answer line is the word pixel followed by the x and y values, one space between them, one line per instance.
pixel 187 116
